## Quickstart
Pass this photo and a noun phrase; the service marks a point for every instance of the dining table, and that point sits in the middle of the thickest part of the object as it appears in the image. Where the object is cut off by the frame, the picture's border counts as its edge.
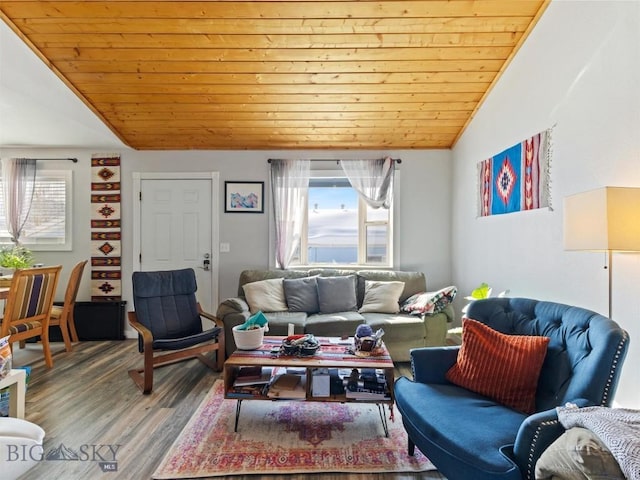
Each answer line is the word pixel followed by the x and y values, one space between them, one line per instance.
pixel 4 293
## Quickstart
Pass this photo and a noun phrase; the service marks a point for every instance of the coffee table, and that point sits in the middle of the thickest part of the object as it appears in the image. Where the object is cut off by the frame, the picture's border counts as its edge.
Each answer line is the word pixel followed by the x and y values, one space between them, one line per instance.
pixel 332 354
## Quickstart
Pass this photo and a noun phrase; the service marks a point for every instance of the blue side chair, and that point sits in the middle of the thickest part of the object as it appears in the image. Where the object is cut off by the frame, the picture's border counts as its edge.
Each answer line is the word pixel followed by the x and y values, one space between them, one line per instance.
pixel 469 436
pixel 168 320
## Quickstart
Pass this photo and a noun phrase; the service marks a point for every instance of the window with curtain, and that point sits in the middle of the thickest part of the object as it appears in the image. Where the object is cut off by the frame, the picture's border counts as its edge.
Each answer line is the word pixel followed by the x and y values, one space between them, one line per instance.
pixel 48 226
pixel 341 229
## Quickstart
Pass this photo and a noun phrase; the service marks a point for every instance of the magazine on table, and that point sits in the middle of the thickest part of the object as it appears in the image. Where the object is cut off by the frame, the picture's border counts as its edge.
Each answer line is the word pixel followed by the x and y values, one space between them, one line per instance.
pixel 263 378
pixel 287 385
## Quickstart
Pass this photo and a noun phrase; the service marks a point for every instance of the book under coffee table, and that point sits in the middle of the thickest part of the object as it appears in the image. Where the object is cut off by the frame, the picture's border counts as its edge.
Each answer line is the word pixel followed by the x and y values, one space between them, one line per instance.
pixel 316 372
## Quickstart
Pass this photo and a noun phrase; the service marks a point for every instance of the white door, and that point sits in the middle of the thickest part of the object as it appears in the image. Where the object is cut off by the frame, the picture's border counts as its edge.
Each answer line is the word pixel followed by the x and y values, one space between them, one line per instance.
pixel 177 228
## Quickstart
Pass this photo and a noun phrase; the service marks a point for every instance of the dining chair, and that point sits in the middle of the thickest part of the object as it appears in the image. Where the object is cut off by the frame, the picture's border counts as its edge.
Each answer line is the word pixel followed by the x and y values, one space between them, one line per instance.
pixel 62 315
pixel 28 307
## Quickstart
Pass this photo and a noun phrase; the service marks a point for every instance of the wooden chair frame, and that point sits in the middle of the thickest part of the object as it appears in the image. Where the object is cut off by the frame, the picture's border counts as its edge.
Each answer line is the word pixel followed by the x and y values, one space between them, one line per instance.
pixel 143 377
pixel 17 299
pixel 63 317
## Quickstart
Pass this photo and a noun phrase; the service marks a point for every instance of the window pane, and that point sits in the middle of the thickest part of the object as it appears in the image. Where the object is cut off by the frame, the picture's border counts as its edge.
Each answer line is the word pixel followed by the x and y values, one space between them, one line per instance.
pixel 332 223
pixel 46 224
pixel 377 244
pixel 341 229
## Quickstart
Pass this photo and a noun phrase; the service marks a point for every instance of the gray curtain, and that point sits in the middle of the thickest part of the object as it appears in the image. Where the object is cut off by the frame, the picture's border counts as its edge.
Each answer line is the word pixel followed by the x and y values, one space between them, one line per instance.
pixel 18 182
pixel 289 186
pixel 372 179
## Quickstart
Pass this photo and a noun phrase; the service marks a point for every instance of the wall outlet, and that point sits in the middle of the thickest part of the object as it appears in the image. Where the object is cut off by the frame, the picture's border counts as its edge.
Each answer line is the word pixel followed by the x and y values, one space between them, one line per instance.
pixel 225 248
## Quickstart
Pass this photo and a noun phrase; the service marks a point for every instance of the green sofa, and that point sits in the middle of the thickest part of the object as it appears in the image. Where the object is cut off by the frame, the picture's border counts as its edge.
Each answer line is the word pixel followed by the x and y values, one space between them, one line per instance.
pixel 402 330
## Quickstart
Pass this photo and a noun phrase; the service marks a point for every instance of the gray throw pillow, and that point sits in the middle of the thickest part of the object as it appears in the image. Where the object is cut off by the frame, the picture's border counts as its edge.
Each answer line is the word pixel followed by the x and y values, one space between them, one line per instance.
pixel 337 294
pixel 302 294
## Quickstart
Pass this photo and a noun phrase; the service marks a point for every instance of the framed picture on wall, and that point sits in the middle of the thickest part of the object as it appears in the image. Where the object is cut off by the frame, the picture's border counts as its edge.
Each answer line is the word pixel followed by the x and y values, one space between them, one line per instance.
pixel 243 197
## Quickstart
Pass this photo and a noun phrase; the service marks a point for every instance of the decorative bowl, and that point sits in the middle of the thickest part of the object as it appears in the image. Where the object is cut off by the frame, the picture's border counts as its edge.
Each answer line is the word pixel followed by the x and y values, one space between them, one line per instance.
pixel 299 345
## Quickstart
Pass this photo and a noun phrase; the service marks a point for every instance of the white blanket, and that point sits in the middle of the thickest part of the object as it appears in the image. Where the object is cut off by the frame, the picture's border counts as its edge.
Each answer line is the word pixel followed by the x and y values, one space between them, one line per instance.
pixel 618 428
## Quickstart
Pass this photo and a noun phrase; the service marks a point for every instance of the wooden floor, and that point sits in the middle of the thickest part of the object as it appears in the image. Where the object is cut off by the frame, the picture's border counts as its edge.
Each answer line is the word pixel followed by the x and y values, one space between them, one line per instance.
pixel 88 399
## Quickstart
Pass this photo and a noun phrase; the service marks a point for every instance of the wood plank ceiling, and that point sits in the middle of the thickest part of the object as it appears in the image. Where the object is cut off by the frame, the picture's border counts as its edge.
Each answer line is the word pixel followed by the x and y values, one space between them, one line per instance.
pixel 278 74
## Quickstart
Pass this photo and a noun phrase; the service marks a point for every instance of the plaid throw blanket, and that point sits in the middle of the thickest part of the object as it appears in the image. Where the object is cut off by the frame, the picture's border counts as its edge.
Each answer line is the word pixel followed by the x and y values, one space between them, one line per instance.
pixel 618 428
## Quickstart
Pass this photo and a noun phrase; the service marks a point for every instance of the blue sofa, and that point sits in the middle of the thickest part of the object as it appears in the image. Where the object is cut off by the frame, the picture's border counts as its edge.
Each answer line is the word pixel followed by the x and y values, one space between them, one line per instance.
pixel 469 436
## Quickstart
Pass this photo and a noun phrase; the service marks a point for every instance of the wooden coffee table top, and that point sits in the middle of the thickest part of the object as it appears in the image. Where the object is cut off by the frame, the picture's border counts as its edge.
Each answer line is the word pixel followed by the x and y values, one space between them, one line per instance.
pixel 333 352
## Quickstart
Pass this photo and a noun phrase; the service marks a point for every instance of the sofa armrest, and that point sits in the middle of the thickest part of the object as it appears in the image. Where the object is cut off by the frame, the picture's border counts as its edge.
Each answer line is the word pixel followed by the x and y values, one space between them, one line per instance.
pixel 232 312
pixel 436 327
pixel 449 313
pixel 232 305
pixel 430 364
pixel 536 433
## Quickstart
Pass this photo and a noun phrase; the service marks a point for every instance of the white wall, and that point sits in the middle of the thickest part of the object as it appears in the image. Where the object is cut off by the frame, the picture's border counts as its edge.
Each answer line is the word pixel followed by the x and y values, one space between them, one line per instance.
pixel 424 181
pixel 579 69
pixel 424 196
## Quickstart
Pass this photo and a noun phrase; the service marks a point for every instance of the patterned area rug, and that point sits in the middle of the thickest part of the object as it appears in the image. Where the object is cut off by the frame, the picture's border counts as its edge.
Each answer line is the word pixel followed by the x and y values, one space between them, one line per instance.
pixel 283 437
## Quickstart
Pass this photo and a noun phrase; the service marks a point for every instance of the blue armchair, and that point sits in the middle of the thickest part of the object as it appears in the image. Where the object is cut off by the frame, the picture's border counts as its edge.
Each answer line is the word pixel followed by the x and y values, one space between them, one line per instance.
pixel 469 436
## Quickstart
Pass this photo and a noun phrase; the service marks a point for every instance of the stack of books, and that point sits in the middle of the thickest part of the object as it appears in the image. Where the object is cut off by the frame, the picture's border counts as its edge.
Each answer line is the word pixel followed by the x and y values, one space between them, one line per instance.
pixel 251 382
pixel 366 384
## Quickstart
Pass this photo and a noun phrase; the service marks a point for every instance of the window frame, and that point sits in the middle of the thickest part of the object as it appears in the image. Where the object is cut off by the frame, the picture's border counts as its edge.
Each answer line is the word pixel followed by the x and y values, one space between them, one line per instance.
pixel 318 170
pixel 67 176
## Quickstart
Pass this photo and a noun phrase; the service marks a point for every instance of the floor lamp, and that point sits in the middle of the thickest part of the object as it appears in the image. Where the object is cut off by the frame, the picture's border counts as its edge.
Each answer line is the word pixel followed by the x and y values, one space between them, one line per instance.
pixel 606 219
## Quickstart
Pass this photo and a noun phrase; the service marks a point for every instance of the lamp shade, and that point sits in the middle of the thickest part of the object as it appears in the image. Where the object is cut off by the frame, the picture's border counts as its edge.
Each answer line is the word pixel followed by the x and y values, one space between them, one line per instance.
pixel 607 218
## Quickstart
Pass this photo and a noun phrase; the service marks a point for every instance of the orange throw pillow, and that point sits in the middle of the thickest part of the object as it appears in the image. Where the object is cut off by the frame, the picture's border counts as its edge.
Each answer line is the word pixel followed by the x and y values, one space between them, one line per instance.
pixel 502 367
